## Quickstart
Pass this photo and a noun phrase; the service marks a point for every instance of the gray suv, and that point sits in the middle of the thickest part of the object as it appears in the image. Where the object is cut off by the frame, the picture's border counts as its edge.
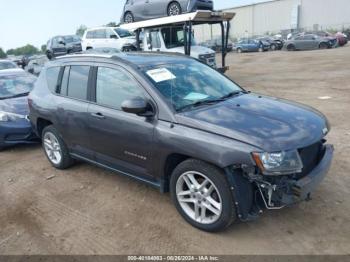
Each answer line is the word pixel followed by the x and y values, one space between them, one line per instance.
pixel 138 10
pixel 179 125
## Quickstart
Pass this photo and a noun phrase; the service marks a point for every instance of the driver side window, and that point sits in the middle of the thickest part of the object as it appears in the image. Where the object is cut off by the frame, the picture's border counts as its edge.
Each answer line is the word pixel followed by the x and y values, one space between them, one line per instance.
pixel 114 86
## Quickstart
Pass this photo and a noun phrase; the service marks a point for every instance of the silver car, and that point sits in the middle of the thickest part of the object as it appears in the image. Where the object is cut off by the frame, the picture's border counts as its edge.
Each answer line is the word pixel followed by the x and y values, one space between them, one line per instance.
pixel 138 10
pixel 309 42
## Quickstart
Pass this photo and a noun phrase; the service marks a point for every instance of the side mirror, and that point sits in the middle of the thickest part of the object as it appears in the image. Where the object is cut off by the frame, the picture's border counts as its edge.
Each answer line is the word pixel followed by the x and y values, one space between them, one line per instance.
pixel 138 106
pixel 113 37
pixel 62 42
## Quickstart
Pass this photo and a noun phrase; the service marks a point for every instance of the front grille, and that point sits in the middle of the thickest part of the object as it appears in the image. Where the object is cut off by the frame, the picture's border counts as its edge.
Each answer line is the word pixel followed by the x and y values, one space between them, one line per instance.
pixel 310 156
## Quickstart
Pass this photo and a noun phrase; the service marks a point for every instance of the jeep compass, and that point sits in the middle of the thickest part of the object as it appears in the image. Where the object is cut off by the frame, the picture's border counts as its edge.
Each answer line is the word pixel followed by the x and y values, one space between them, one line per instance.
pixel 223 153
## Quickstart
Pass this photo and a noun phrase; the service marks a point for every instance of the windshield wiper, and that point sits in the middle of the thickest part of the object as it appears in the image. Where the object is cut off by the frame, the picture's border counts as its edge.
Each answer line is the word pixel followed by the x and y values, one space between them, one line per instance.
pixel 15 96
pixel 200 103
pixel 232 94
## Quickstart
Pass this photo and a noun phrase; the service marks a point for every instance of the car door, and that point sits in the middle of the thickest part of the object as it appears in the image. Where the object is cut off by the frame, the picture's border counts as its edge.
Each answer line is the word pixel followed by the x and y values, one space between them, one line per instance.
pixel 137 8
pixel 72 107
pixel 112 40
pixel 155 8
pixel 100 38
pixel 121 140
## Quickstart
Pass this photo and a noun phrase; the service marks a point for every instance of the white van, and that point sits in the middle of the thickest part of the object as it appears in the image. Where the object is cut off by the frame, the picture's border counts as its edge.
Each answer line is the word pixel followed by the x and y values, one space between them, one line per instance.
pixel 109 37
pixel 172 39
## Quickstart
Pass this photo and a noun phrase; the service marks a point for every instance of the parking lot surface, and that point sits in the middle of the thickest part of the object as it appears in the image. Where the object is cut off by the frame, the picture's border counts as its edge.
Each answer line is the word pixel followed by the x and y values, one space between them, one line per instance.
pixel 87 210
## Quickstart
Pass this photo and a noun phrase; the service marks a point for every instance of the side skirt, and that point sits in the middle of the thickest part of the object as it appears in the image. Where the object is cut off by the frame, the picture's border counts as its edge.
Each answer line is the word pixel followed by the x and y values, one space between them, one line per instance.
pixel 140 179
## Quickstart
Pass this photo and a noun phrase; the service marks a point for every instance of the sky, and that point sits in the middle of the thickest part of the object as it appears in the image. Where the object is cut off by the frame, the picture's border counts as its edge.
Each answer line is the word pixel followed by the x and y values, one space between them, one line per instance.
pixel 34 22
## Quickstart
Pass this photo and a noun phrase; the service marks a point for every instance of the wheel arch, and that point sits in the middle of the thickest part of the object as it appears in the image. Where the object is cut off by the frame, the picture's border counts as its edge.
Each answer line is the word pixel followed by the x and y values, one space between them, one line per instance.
pixel 41 123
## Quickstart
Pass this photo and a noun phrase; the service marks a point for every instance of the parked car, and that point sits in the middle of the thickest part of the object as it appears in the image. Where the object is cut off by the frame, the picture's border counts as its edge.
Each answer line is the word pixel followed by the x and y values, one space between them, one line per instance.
pixel 309 42
pixel 36 64
pixel 7 64
pixel 109 37
pixel 275 44
pixel 216 45
pixel 15 128
pixel 252 45
pixel 62 45
pixel 180 125
pixel 138 10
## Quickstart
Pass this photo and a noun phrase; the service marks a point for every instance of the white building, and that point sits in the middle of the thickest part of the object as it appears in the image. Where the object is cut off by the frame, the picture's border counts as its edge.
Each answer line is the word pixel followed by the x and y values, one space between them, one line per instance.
pixel 274 16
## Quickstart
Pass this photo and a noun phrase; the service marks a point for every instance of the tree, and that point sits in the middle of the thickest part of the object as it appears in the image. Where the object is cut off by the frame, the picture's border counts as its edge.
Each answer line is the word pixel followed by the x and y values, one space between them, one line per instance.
pixel 43 48
pixel 2 53
pixel 24 50
pixel 112 24
pixel 81 30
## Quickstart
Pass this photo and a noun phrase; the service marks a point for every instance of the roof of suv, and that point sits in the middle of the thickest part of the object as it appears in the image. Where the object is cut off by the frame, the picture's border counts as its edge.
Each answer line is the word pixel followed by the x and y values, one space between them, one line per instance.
pixel 140 59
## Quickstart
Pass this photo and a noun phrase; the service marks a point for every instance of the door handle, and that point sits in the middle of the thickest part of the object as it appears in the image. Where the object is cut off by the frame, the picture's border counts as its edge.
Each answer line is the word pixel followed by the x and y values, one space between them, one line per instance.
pixel 98 115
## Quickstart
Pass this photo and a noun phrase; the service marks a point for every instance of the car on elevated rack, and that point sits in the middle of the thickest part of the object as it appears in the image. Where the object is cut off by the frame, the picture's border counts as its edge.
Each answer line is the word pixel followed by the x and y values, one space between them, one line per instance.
pixel 15 128
pixel 138 10
pixel 179 125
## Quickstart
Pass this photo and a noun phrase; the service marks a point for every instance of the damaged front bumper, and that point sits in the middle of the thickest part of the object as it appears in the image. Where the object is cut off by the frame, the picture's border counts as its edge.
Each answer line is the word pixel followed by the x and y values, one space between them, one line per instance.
pixel 253 191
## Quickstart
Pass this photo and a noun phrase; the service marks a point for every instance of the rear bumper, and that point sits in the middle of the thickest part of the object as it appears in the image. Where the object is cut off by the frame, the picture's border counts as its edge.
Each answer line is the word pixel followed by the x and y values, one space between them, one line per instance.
pixel 302 189
pixel 19 132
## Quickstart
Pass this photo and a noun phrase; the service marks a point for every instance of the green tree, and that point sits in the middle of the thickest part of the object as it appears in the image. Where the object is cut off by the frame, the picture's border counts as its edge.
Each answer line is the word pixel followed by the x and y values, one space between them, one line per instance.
pixel 43 48
pixel 2 53
pixel 112 24
pixel 81 30
pixel 24 50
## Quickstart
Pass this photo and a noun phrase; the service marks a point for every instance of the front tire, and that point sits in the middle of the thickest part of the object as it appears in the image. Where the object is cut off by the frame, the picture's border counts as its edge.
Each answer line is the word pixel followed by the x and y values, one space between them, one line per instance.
pixel 202 195
pixel 323 46
pixel 55 149
pixel 239 50
pixel 174 8
pixel 128 18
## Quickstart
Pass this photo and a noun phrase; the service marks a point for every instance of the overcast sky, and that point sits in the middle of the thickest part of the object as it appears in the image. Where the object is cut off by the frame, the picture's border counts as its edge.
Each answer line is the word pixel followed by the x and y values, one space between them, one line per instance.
pixel 34 22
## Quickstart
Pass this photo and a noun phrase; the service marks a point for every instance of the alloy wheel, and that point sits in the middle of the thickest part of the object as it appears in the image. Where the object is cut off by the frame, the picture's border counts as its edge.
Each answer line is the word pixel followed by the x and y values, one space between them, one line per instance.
pixel 174 9
pixel 52 148
pixel 128 18
pixel 198 197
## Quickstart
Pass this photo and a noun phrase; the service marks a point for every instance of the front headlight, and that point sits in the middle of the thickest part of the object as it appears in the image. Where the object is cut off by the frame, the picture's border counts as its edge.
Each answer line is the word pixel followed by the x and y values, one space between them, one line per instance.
pixel 6 116
pixel 279 163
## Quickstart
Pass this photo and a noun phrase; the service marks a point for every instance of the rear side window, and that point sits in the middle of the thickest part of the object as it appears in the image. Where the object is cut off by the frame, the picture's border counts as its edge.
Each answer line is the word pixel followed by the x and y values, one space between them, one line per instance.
pixel 78 82
pixel 52 78
pixel 100 34
pixel 90 35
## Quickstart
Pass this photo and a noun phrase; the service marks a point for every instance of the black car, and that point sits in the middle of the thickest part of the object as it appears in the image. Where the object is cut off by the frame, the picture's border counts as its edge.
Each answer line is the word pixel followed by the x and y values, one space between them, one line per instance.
pixel 62 45
pixel 179 125
pixel 275 44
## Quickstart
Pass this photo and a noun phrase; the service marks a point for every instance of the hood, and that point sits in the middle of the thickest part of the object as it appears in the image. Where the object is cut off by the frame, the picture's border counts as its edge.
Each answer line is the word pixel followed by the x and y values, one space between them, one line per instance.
pixel 129 39
pixel 268 123
pixel 17 105
pixel 196 50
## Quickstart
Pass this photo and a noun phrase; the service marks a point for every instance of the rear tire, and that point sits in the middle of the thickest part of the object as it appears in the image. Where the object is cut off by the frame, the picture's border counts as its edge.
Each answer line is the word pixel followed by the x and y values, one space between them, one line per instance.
pixel 261 49
pixel 174 8
pixel 202 195
pixel 55 149
pixel 239 50
pixel 273 47
pixel 128 18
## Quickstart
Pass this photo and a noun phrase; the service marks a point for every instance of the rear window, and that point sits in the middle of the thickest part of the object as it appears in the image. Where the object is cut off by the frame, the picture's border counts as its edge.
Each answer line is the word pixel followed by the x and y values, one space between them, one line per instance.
pixel 78 82
pixel 52 78
pixel 7 65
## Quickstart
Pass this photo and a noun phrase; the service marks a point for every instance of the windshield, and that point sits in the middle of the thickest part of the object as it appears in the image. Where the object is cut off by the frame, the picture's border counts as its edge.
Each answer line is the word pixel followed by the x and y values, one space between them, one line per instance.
pixel 16 85
pixel 7 65
pixel 185 84
pixel 175 37
pixel 123 33
pixel 71 39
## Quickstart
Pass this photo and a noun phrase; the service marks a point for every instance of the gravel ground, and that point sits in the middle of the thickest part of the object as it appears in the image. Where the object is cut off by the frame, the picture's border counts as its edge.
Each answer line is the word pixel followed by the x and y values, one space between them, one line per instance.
pixel 87 210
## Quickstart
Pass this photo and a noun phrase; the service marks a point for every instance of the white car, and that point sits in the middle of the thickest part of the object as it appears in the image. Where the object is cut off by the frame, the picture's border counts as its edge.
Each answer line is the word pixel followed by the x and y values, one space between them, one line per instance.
pixel 109 37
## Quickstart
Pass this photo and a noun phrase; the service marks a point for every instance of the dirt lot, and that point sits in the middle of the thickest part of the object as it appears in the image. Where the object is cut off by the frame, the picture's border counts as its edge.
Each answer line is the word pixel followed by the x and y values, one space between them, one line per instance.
pixel 87 210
